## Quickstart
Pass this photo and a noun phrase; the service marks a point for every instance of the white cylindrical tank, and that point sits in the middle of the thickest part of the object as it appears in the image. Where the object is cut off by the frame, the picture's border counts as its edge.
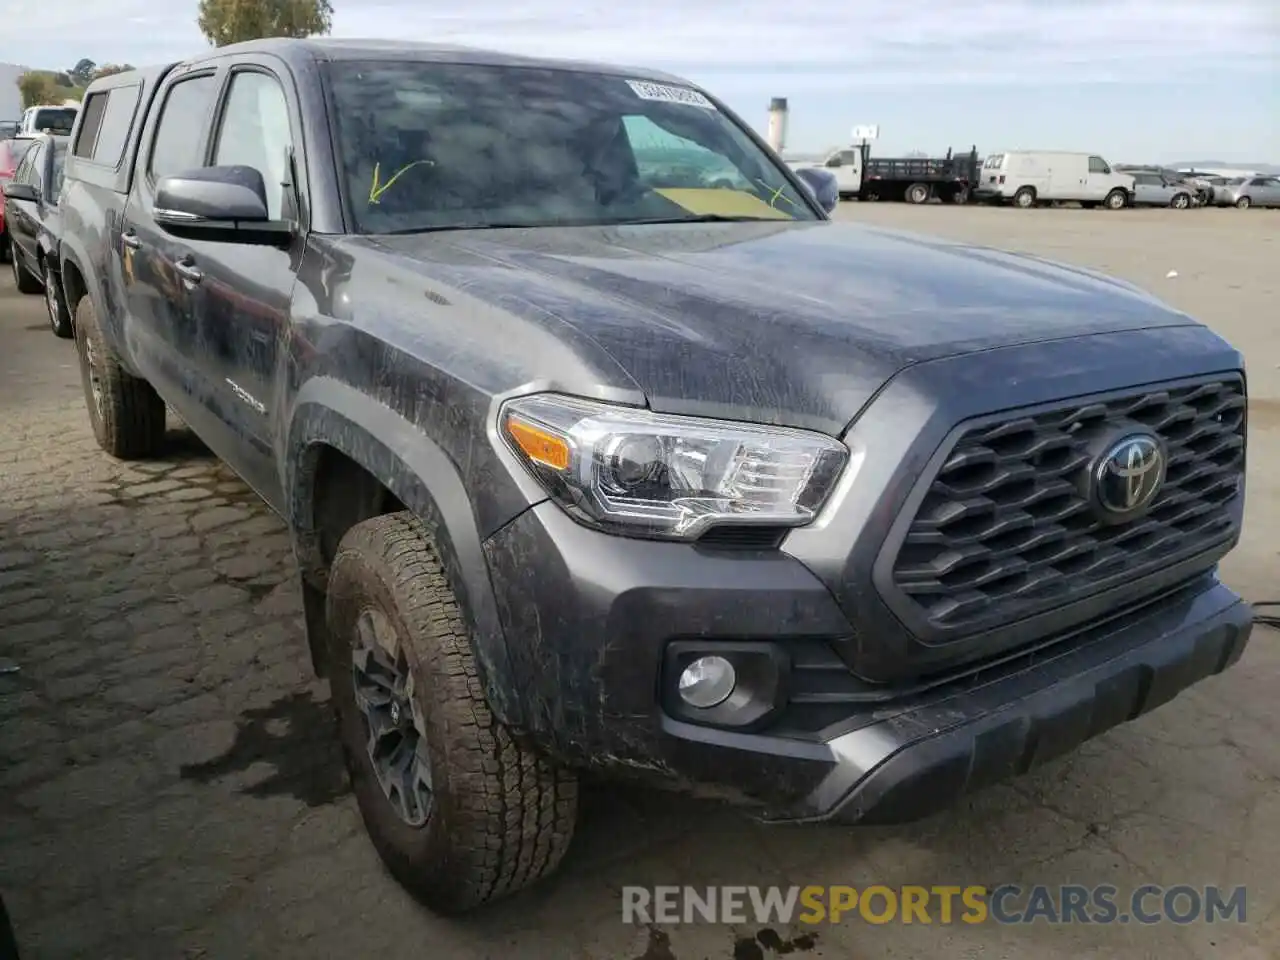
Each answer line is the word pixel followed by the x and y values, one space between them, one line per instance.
pixel 778 124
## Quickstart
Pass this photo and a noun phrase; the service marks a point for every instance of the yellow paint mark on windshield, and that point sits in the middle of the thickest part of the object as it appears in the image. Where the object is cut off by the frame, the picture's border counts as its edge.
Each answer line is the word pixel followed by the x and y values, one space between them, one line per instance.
pixel 776 195
pixel 377 189
pixel 716 202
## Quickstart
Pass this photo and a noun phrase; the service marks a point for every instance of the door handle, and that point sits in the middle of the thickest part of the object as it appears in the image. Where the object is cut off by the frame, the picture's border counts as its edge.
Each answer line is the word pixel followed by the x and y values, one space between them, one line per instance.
pixel 130 240
pixel 188 271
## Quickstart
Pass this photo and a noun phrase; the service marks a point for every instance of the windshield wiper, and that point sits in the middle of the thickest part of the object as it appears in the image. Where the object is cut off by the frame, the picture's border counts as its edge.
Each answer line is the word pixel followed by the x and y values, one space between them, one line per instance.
pixel 699 218
pixel 444 227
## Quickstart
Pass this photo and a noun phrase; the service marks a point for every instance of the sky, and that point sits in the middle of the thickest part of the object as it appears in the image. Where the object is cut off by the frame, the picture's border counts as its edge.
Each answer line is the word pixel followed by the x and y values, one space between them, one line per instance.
pixel 1134 80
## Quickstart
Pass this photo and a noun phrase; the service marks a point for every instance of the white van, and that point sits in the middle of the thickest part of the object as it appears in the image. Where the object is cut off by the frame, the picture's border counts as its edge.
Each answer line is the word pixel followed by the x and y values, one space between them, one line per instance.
pixel 50 118
pixel 1031 177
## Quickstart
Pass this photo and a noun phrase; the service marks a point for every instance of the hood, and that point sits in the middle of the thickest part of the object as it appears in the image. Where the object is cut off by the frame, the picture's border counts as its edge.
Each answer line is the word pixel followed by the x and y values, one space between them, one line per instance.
pixel 792 323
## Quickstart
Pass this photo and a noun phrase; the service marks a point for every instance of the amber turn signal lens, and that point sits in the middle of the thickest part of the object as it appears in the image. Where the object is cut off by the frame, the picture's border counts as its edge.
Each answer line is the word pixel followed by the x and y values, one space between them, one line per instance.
pixel 539 445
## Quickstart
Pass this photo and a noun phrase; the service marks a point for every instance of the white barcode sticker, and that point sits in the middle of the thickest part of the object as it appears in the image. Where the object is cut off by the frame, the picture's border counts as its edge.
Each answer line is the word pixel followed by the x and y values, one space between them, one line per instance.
pixel 647 90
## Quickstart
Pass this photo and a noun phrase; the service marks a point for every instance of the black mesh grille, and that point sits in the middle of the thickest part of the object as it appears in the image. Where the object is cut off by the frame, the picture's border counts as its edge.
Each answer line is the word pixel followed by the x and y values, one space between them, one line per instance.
pixel 1005 531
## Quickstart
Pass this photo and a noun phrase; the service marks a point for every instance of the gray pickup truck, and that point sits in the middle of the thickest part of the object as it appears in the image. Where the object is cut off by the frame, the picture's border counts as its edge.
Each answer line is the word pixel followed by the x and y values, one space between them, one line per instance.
pixel 594 464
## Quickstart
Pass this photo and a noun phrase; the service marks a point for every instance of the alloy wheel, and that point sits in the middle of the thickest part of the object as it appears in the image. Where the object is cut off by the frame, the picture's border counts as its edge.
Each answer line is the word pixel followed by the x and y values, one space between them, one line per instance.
pixel 383 685
pixel 51 299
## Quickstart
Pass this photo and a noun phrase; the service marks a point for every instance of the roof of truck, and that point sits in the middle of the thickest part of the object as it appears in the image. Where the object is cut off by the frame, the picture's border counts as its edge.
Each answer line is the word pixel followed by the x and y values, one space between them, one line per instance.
pixel 328 48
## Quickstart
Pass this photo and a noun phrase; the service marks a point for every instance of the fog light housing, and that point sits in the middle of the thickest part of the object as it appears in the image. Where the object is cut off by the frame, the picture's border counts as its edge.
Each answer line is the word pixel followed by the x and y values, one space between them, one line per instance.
pixel 707 682
pixel 724 683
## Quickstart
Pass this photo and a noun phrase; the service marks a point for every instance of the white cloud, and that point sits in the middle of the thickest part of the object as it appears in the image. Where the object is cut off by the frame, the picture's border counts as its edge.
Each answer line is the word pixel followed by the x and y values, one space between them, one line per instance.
pixel 828 44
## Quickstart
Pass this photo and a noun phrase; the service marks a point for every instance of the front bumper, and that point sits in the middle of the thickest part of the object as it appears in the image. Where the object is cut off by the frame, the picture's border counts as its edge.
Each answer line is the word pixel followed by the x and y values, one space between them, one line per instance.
pixel 590 620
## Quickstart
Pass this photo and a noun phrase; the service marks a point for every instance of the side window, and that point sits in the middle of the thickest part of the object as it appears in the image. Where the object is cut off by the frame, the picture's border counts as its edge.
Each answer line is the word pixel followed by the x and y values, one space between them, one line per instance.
pixel 834 160
pixel 116 123
pixel 255 133
pixel 1098 165
pixel 28 170
pixel 180 132
pixel 94 107
pixel 848 158
pixel 666 161
pixel 59 161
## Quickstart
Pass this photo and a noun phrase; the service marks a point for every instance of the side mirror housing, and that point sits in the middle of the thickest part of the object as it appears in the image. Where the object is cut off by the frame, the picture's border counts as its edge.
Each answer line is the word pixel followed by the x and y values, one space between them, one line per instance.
pixel 227 204
pixel 822 185
pixel 21 191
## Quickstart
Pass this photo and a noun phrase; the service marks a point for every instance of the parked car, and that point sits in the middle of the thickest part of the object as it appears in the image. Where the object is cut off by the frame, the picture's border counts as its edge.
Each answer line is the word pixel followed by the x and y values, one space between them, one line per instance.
pixel 34 223
pixel 687 483
pixel 55 118
pixel 11 153
pixel 1245 192
pixel 1156 190
pixel 1028 178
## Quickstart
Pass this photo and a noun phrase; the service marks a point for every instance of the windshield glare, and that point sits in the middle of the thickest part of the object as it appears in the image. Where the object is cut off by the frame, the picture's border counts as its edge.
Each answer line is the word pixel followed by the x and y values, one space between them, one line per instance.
pixel 437 145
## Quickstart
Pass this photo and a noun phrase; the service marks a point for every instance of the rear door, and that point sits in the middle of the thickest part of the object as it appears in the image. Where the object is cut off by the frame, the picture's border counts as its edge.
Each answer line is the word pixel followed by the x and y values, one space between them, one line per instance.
pixel 1269 191
pixel 159 322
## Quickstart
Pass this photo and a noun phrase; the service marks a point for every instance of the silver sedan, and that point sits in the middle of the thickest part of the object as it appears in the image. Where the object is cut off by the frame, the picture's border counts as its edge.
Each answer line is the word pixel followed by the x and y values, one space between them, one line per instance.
pixel 1154 190
pixel 1245 192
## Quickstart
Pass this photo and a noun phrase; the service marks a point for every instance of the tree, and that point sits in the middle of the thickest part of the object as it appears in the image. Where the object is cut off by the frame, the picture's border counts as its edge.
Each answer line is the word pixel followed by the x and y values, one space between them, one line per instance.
pixel 230 21
pixel 40 86
pixel 83 71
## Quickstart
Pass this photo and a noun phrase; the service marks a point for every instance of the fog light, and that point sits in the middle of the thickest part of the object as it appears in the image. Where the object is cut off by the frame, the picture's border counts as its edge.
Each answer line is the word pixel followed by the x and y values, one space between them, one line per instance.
pixel 707 681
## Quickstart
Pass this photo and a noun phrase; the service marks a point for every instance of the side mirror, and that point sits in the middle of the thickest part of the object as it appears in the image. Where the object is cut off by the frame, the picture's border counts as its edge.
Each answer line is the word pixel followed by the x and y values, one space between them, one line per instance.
pixel 21 191
pixel 822 185
pixel 227 204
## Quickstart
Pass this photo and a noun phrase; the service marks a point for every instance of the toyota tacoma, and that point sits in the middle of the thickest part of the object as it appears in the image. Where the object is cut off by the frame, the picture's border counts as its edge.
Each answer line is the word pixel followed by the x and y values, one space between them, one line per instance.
pixel 603 448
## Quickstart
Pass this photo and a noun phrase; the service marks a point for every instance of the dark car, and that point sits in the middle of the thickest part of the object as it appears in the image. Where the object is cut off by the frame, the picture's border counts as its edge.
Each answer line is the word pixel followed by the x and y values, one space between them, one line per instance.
pixel 591 464
pixel 11 153
pixel 34 224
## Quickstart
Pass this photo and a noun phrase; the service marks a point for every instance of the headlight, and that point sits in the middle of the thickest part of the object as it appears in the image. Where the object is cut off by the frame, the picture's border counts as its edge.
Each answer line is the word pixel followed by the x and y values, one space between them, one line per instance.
pixel 645 474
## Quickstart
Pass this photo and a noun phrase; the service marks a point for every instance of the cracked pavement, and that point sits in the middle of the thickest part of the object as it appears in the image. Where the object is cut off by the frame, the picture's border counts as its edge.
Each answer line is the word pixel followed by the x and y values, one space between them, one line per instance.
pixel 170 785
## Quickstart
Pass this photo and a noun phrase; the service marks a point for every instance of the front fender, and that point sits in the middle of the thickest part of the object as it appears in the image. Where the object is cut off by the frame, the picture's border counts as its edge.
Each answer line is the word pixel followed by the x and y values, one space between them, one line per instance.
pixel 420 474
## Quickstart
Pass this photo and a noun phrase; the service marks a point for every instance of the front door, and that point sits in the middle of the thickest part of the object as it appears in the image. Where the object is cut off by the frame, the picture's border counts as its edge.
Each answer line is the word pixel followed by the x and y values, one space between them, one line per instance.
pixel 23 224
pixel 1099 181
pixel 245 291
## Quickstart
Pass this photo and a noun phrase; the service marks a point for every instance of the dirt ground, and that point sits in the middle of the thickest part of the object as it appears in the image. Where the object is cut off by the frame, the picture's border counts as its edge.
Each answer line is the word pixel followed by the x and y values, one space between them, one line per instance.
pixel 169 786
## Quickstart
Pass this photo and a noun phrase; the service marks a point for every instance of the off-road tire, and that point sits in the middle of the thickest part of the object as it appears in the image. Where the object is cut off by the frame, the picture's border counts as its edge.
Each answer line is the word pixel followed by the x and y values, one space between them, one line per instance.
pixel 128 416
pixel 24 279
pixel 1025 198
pixel 502 815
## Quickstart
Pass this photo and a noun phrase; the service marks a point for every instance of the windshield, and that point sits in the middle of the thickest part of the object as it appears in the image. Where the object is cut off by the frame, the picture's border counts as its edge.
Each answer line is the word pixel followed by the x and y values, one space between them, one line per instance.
pixel 444 145
pixel 994 161
pixel 1235 181
pixel 58 120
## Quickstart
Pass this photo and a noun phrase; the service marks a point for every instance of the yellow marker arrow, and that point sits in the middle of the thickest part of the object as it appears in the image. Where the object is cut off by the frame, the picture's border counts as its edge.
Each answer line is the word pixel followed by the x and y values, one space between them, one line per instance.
pixel 376 189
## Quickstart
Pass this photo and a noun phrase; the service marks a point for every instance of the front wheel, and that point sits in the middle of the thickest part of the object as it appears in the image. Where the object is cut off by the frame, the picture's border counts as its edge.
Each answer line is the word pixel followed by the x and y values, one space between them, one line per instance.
pixel 459 810
pixel 1244 203
pixel 1025 198
pixel 1180 201
pixel 1116 200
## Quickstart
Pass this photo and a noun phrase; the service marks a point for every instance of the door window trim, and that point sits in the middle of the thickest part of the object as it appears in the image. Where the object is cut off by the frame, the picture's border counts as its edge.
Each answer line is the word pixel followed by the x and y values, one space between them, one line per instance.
pixel 149 173
pixel 292 108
